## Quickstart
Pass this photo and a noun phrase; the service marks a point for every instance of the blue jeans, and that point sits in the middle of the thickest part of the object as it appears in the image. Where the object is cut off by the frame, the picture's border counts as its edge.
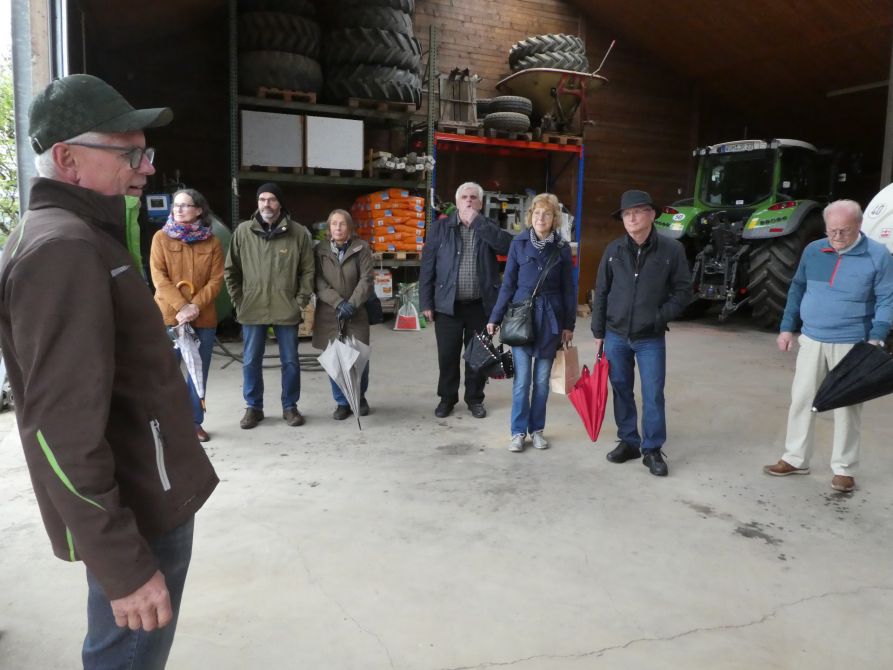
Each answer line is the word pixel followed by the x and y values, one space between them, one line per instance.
pixel 364 386
pixel 108 647
pixel 651 355
pixel 255 338
pixel 529 410
pixel 205 347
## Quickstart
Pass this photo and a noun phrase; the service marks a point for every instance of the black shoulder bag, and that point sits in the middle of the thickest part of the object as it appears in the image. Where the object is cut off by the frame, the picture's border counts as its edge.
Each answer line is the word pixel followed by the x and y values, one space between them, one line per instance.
pixel 518 328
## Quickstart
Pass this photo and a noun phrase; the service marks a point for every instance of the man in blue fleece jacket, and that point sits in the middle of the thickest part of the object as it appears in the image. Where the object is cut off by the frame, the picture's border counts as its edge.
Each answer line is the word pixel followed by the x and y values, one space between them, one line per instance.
pixel 841 294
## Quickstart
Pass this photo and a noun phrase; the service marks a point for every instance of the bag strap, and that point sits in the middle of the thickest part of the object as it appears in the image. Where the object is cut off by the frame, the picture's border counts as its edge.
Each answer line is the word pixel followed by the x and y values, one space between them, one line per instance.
pixel 549 265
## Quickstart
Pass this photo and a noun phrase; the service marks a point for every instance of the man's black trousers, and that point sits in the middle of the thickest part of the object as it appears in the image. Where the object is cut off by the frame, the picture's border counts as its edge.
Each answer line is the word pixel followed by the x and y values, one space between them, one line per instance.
pixel 452 333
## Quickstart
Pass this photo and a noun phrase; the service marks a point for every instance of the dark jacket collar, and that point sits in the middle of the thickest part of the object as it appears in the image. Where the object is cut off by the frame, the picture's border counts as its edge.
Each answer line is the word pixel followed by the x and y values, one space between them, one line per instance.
pixel 106 211
pixel 275 229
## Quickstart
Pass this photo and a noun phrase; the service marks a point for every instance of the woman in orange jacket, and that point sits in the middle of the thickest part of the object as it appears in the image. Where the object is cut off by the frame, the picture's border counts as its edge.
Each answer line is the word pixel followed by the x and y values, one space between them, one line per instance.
pixel 187 270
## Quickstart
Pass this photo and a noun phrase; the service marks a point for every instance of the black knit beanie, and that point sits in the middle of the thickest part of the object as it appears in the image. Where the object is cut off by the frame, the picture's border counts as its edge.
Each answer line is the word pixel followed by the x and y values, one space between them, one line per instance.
pixel 270 187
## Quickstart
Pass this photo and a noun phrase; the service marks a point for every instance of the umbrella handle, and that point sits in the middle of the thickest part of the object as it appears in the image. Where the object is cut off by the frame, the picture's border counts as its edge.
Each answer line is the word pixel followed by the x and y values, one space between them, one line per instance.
pixel 188 284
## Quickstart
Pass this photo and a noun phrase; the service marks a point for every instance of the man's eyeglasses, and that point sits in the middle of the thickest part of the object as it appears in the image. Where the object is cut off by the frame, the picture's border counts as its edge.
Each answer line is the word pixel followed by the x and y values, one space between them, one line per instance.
pixel 134 154
pixel 845 232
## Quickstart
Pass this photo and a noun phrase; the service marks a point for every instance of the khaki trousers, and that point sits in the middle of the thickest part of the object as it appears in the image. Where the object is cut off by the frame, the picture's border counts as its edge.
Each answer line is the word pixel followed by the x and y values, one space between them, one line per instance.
pixel 814 360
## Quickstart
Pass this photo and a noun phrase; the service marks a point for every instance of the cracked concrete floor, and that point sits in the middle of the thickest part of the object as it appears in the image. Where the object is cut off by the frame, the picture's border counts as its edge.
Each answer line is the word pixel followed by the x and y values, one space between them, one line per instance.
pixel 423 544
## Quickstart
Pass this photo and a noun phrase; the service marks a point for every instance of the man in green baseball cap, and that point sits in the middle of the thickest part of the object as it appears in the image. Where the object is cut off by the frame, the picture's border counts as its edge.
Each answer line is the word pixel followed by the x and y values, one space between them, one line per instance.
pixel 102 409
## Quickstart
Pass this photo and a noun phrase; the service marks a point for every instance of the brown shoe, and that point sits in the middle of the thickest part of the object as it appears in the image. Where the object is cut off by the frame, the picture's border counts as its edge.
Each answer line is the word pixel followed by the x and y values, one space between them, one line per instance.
pixel 252 418
pixel 292 416
pixel 843 483
pixel 201 434
pixel 783 469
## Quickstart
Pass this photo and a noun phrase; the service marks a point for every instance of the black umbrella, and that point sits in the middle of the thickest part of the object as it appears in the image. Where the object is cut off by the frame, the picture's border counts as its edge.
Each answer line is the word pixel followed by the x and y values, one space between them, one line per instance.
pixel 865 373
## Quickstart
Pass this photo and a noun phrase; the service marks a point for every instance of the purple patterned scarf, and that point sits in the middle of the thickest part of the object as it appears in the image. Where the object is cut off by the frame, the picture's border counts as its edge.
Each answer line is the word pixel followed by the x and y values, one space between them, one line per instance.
pixel 186 232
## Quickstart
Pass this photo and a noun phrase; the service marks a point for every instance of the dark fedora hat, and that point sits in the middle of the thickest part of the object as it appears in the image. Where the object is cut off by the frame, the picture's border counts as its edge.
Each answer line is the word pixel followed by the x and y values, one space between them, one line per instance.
pixel 632 199
pixel 81 103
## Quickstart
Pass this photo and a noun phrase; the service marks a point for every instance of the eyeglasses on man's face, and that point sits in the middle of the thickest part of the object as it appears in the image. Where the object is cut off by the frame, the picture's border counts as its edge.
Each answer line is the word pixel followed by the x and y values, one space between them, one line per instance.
pixel 133 154
pixel 841 232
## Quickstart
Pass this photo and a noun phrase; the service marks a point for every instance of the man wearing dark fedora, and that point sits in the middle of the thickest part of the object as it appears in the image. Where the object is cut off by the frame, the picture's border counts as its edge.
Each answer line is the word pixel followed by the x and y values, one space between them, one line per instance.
pixel 102 409
pixel 269 273
pixel 643 283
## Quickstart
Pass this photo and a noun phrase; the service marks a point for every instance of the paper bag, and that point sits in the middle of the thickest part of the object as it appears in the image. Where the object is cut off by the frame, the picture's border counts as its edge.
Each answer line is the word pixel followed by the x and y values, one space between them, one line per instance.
pixel 565 370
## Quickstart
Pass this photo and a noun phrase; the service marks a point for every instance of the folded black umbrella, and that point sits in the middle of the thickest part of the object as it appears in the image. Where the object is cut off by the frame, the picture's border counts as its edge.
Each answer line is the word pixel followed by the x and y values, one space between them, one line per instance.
pixel 487 358
pixel 865 373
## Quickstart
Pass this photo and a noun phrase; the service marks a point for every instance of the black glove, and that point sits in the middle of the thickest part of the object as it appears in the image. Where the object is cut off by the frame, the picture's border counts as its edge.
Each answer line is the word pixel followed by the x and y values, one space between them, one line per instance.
pixel 345 310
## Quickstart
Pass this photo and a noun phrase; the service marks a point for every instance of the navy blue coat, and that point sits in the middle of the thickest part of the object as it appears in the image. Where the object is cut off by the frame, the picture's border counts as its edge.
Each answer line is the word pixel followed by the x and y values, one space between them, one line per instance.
pixel 439 275
pixel 556 303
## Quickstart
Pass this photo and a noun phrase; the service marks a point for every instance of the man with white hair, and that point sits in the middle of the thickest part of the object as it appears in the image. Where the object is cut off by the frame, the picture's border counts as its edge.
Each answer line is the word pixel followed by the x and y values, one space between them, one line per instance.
pixel 102 409
pixel 458 286
pixel 841 294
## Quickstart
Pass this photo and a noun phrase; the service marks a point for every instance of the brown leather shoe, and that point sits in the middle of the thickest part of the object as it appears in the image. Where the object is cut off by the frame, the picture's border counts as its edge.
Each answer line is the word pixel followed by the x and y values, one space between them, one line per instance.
pixel 252 418
pixel 292 416
pixel 843 483
pixel 201 434
pixel 783 469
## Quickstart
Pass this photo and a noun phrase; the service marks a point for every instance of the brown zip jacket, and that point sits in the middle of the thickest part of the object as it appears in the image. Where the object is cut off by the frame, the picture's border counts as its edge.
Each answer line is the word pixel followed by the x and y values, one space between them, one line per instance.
pixel 102 408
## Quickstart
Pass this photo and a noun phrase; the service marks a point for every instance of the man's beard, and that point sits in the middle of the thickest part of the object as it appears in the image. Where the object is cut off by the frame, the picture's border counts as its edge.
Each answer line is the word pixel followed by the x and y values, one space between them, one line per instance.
pixel 268 215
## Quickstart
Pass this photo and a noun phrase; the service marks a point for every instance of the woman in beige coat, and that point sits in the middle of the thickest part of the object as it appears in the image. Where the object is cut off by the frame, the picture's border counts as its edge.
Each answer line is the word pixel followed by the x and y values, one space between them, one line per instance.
pixel 343 284
pixel 187 270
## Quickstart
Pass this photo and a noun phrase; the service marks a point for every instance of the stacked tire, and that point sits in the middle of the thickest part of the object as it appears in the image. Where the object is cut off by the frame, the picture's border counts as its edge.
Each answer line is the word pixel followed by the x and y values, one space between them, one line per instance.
pixel 373 53
pixel 279 46
pixel 510 113
pixel 562 52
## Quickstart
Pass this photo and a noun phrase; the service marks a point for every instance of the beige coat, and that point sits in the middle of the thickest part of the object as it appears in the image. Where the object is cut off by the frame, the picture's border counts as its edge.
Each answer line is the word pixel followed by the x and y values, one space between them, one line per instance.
pixel 200 263
pixel 349 280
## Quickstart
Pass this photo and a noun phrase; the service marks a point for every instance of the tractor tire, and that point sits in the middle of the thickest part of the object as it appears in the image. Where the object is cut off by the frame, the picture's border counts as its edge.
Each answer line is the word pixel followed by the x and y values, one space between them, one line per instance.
pixel 407 6
pixel 372 46
pixel 559 60
pixel 511 103
pixel 296 7
pixel 278 69
pixel 377 17
pixel 277 31
pixel 509 121
pixel 545 44
pixel 483 106
pixel 374 82
pixel 772 267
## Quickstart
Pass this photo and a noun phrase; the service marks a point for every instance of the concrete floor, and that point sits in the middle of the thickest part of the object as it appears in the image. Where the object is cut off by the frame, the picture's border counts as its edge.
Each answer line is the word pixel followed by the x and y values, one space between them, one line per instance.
pixel 424 544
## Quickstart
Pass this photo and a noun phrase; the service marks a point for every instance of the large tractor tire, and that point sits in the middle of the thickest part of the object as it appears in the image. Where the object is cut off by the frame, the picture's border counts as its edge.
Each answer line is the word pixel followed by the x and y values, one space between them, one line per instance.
pixel 375 82
pixel 772 267
pixel 511 103
pixel 407 6
pixel 372 46
pixel 545 44
pixel 278 69
pixel 278 31
pixel 509 121
pixel 296 7
pixel 377 17
pixel 559 60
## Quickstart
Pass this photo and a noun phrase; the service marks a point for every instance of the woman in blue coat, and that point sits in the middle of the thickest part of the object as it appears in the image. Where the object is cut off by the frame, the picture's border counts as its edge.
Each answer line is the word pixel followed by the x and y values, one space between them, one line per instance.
pixel 555 314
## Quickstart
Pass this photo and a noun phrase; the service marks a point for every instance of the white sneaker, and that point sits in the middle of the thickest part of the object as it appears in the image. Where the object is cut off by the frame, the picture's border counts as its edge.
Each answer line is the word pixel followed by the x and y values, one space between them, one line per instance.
pixel 517 443
pixel 540 442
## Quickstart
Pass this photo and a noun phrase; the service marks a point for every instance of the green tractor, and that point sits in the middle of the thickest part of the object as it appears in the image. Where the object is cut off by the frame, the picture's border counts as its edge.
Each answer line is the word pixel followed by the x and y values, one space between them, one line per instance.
pixel 757 204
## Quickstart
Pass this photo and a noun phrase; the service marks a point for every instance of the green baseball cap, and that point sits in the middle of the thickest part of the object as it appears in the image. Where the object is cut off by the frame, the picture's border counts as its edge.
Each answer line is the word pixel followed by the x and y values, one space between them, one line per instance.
pixel 80 103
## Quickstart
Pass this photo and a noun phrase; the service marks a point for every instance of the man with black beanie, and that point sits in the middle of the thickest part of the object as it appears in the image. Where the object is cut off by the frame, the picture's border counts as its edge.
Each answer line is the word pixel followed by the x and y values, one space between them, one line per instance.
pixel 269 274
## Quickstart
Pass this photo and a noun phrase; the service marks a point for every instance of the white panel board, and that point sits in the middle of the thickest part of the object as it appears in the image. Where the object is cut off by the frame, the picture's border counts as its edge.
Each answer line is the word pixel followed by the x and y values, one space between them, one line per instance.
pixel 334 143
pixel 272 139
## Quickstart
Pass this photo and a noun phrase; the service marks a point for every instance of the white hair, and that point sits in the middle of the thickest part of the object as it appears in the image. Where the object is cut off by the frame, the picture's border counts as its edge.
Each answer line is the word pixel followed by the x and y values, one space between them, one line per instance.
pixel 46 165
pixel 470 184
pixel 849 208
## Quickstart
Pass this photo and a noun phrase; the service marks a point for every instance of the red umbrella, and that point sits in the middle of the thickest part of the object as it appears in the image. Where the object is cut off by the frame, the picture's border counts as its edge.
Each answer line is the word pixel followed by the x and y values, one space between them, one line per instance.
pixel 590 395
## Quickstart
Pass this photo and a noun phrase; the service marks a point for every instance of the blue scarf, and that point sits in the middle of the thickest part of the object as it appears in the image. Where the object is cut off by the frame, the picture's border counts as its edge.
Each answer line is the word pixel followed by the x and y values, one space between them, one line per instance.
pixel 186 232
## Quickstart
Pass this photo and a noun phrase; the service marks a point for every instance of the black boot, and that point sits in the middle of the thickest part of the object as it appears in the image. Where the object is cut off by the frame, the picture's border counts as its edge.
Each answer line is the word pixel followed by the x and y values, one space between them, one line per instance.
pixel 623 452
pixel 654 461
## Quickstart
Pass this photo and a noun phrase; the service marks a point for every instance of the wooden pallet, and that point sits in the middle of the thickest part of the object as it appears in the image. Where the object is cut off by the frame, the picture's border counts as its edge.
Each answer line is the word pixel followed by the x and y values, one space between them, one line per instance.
pixel 397 255
pixel 332 172
pixel 508 135
pixel 381 105
pixel 457 129
pixel 273 169
pixel 286 95
pixel 555 138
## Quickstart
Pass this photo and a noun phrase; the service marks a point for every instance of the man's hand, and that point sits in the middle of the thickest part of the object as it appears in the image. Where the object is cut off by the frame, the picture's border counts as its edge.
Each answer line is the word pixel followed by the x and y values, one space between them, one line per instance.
pixel 187 313
pixel 567 337
pixel 428 314
pixel 149 607
pixel 785 341
pixel 599 343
